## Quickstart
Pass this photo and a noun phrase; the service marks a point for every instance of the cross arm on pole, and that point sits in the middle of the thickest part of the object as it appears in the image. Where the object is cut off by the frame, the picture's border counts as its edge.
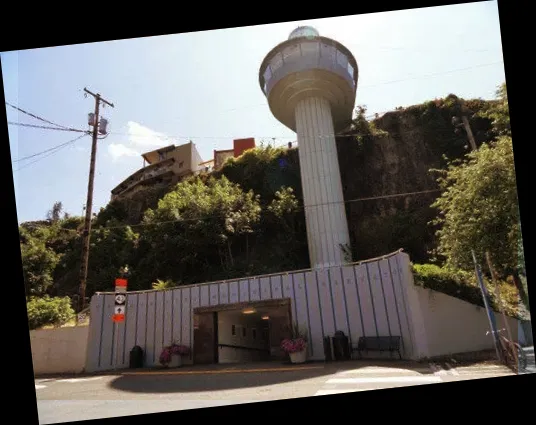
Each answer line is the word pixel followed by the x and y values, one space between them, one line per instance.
pixel 98 96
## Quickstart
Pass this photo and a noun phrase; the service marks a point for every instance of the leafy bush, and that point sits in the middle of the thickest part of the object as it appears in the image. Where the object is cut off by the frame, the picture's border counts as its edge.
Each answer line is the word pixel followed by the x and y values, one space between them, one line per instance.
pixel 163 284
pixel 463 285
pixel 48 311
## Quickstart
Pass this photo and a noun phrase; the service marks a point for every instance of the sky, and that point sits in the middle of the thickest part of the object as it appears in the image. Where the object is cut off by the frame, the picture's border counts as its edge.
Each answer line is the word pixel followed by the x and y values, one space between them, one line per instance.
pixel 203 87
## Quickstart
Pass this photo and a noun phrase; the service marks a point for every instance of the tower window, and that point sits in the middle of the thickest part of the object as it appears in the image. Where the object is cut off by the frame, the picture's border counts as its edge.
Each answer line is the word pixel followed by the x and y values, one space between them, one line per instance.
pixel 342 60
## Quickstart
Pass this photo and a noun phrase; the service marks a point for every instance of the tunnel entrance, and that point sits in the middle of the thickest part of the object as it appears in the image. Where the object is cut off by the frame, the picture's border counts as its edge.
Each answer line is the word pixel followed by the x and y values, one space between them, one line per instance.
pixel 242 332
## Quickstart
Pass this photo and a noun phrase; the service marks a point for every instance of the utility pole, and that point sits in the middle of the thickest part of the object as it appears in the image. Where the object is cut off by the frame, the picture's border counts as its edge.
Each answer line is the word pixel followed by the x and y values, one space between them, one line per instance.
pixel 469 131
pixel 465 123
pixel 89 203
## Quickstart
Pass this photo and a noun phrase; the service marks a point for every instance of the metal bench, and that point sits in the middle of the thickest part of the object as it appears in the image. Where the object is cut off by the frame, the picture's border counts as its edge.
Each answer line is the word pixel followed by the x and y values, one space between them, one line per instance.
pixel 378 343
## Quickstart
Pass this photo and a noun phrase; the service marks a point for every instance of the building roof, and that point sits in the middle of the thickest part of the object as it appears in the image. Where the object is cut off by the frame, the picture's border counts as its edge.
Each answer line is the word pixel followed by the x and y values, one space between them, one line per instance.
pixel 159 150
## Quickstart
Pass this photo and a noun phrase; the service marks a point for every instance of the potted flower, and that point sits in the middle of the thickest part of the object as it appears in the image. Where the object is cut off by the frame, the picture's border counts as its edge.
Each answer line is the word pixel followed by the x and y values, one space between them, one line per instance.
pixel 171 355
pixel 296 345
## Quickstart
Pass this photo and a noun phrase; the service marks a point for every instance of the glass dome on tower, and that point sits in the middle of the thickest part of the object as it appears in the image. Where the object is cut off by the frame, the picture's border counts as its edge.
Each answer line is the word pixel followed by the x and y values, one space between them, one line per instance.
pixel 304 32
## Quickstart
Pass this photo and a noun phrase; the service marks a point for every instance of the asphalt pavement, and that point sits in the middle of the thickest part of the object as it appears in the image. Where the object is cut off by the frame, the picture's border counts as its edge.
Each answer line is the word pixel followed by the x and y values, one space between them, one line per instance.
pixel 531 366
pixel 140 392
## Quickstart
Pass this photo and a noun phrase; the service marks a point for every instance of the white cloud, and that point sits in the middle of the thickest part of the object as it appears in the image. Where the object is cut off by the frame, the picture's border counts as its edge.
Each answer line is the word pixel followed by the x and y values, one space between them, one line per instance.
pixel 144 137
pixel 119 150
pixel 140 139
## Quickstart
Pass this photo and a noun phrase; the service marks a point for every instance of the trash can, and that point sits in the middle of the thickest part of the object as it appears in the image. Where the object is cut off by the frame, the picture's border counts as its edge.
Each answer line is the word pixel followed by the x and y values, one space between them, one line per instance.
pixel 136 357
pixel 327 349
pixel 341 349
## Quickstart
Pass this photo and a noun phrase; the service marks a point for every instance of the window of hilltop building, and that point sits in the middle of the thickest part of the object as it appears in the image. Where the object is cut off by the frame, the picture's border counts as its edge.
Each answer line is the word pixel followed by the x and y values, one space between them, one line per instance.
pixel 267 74
pixel 342 60
pixel 161 156
pixel 277 62
pixel 351 70
pixel 309 49
pixel 291 53
pixel 181 164
pixel 328 53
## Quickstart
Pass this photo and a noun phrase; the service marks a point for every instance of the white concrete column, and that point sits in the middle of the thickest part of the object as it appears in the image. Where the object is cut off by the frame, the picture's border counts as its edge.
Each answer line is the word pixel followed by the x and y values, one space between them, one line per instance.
pixel 325 213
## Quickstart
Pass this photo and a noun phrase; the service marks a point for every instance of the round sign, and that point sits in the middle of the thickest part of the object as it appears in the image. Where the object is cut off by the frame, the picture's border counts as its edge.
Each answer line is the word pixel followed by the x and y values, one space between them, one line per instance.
pixel 120 298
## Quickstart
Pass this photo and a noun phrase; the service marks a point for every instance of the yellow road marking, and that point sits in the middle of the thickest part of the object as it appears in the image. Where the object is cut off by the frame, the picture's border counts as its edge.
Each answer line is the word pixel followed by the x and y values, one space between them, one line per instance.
pixel 200 372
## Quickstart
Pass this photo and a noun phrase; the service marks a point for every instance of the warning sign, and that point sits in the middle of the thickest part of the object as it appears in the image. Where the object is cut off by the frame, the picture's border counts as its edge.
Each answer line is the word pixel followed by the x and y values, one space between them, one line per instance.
pixel 120 300
pixel 120 282
pixel 118 318
pixel 119 313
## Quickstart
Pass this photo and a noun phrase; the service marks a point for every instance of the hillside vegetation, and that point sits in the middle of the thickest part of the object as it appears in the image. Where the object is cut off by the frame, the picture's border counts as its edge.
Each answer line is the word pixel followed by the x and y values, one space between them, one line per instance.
pixel 248 219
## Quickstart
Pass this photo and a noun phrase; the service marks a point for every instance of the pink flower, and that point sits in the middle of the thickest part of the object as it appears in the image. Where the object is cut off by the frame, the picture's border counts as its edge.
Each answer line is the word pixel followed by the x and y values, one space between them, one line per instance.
pixel 173 350
pixel 293 345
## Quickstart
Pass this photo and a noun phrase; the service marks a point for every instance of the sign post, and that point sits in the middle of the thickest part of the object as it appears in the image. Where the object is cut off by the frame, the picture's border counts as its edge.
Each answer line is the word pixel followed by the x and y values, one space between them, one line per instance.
pixel 119 310
pixel 489 311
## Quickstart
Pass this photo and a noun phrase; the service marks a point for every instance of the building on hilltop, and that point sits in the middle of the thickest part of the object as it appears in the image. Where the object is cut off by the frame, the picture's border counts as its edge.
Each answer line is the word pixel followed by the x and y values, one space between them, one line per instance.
pixel 239 147
pixel 166 165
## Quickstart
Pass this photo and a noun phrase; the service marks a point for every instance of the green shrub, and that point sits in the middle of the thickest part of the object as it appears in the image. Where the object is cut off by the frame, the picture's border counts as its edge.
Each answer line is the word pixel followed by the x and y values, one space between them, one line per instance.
pixel 48 311
pixel 463 285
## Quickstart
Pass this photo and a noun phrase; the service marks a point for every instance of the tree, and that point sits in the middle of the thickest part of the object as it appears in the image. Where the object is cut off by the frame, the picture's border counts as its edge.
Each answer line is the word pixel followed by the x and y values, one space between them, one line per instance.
pixel 284 227
pixel 499 114
pixel 44 311
pixel 197 225
pixel 54 214
pixel 478 210
pixel 38 260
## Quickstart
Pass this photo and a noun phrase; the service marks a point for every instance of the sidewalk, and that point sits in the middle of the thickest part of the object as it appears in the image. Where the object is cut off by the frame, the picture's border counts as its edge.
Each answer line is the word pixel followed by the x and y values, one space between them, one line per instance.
pixel 256 367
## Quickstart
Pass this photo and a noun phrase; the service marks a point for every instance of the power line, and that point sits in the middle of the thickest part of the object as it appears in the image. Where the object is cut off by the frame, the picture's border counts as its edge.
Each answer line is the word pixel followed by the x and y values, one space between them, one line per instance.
pixel 366 86
pixel 48 150
pixel 222 216
pixel 46 128
pixel 431 75
pixel 37 117
pixel 63 128
pixel 51 151
pixel 268 139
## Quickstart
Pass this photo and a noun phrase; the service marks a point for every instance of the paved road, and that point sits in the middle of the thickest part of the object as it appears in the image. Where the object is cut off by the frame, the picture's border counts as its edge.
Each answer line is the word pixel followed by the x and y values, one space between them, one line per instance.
pixel 63 400
pixel 531 365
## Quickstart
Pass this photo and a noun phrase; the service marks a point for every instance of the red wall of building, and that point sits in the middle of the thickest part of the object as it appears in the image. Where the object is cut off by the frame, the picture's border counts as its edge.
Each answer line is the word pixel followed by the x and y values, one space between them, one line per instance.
pixel 240 145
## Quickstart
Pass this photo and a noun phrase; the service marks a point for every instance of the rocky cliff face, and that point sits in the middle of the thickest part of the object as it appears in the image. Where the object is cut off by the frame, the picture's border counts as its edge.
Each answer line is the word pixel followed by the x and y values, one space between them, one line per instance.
pixel 383 163
pixel 396 158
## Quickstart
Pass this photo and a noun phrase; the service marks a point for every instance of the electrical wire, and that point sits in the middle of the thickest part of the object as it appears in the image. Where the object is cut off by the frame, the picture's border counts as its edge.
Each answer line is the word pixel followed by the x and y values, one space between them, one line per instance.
pixel 267 139
pixel 46 128
pixel 430 75
pixel 50 151
pixel 39 118
pixel 300 208
pixel 359 87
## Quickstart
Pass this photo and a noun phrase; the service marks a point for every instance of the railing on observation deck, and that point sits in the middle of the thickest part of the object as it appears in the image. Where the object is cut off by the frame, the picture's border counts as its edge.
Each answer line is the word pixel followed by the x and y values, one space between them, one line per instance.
pixel 304 55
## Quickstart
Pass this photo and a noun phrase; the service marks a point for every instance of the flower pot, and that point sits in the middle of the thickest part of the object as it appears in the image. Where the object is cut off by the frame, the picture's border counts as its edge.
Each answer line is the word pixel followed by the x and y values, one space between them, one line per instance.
pixel 298 357
pixel 176 361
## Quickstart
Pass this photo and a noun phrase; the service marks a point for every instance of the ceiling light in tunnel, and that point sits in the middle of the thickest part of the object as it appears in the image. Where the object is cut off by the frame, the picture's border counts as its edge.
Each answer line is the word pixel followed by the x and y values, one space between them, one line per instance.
pixel 248 311
pixel 265 317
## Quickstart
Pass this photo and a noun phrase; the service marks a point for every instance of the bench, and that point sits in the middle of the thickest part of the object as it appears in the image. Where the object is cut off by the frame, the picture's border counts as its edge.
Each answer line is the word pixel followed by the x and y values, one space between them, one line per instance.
pixel 378 343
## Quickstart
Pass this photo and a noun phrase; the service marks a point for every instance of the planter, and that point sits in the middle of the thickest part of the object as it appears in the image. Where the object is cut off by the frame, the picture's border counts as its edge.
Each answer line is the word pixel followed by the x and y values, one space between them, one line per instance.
pixel 298 357
pixel 176 361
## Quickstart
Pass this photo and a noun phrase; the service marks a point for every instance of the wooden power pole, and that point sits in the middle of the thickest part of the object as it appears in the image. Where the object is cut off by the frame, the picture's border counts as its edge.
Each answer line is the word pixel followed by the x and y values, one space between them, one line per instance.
pixel 465 123
pixel 89 203
pixel 468 131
